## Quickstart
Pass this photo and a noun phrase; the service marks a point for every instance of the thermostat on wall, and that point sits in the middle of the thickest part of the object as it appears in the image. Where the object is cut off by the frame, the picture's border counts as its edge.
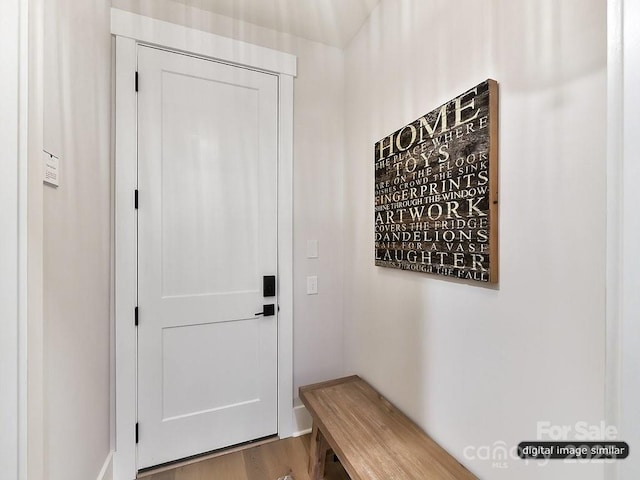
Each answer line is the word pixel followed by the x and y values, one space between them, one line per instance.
pixel 51 169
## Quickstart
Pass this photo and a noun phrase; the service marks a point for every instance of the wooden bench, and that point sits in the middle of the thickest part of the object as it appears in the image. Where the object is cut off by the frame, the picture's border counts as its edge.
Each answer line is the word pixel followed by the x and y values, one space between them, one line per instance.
pixel 371 437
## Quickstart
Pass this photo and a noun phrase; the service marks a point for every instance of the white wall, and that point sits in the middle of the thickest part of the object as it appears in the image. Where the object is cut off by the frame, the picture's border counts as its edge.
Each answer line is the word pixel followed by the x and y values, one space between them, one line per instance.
pixel 76 242
pixel 475 365
pixel 34 335
pixel 318 171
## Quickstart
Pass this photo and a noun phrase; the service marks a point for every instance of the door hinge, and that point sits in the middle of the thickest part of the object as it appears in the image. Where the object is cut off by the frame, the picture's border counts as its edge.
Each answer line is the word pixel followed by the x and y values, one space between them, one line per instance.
pixel 136 316
pixel 137 437
pixel 136 81
pixel 136 199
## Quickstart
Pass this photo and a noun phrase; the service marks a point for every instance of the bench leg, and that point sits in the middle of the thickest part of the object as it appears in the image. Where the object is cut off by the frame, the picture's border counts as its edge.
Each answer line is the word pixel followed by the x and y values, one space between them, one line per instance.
pixel 317 454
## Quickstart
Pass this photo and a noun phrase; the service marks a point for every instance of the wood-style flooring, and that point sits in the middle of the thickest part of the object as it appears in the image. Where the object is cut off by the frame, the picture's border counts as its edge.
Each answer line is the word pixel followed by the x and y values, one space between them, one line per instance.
pixel 269 461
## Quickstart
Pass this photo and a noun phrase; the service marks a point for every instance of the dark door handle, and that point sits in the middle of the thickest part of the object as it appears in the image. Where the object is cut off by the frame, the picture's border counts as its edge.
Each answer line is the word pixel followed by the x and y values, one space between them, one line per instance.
pixel 268 311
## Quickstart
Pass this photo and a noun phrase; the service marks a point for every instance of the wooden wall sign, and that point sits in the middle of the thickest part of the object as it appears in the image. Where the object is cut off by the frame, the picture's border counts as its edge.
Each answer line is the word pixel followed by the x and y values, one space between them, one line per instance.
pixel 436 190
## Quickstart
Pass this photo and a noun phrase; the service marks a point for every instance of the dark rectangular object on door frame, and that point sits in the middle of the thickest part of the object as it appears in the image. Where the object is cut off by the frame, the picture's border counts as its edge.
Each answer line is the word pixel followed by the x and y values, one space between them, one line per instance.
pixel 436 190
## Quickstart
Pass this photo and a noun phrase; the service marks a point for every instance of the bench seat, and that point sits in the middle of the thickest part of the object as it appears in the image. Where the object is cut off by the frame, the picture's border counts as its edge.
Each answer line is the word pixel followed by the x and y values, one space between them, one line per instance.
pixel 371 437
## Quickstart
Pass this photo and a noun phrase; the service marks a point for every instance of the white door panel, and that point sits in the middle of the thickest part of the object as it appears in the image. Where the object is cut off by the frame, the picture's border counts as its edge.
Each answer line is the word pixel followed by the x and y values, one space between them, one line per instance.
pixel 207 181
pixel 206 190
pixel 217 351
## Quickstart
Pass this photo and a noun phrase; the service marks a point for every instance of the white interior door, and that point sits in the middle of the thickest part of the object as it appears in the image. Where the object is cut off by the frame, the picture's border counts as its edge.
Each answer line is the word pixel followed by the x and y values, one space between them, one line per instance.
pixel 207 234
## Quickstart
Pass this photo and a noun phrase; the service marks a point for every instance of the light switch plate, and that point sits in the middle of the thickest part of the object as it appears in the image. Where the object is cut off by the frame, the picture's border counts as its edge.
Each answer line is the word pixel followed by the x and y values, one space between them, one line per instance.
pixel 312 285
pixel 312 248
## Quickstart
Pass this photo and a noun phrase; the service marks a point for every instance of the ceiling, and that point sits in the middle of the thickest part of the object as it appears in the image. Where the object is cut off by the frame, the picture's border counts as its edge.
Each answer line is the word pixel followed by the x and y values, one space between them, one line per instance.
pixel 333 22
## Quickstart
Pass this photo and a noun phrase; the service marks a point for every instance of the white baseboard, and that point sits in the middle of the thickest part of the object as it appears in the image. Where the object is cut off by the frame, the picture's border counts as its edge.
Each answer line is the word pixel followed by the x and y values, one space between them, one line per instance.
pixel 301 421
pixel 106 473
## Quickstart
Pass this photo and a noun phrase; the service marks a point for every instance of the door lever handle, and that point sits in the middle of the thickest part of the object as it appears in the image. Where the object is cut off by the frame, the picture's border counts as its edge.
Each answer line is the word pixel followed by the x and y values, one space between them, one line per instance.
pixel 268 311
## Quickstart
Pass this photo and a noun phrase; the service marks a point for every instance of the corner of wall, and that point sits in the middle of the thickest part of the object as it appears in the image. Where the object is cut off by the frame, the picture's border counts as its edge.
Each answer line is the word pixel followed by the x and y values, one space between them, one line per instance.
pixel 302 421
pixel 106 472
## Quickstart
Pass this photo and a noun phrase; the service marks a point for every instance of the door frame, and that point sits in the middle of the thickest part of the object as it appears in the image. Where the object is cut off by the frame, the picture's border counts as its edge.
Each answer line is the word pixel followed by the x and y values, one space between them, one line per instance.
pixel 623 231
pixel 131 30
pixel 14 59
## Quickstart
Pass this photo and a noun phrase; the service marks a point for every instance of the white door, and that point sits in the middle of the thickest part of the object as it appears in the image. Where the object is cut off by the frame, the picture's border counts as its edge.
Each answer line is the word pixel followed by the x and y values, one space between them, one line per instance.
pixel 207 234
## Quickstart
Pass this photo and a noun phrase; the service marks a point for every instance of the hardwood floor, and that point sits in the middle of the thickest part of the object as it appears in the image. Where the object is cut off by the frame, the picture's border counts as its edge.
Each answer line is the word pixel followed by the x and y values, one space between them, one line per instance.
pixel 269 461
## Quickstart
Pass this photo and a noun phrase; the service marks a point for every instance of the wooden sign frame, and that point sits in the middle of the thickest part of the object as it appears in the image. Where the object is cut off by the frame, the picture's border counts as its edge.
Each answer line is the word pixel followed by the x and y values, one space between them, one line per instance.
pixel 436 190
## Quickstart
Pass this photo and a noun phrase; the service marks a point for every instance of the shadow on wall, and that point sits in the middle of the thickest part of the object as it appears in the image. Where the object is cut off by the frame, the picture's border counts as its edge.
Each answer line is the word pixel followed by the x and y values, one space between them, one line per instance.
pixel 543 42
pixel 400 342
pixel 526 45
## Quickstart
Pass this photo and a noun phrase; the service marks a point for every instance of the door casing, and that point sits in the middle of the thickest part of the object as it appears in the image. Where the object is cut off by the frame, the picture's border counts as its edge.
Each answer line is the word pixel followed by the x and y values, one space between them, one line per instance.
pixel 131 30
